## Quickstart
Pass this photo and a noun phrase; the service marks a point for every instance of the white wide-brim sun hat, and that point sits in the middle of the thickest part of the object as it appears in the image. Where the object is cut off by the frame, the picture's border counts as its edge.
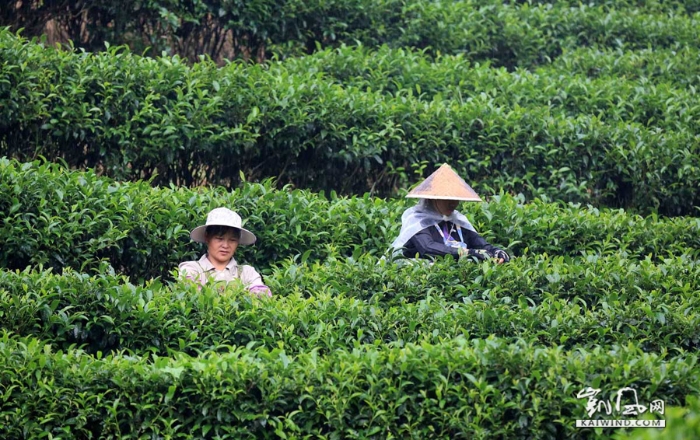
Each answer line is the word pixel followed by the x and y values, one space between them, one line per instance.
pixel 223 217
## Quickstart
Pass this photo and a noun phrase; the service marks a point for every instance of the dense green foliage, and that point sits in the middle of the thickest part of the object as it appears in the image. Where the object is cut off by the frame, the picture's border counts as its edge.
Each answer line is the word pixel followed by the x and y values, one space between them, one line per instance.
pixel 649 99
pixel 676 67
pixel 61 218
pixel 555 302
pixel 352 344
pixel 511 33
pixel 558 113
pixel 682 423
pixel 354 121
pixel 454 389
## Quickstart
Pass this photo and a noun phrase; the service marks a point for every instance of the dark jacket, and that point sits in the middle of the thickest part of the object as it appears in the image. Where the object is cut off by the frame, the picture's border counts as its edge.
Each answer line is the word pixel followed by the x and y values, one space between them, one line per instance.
pixel 429 243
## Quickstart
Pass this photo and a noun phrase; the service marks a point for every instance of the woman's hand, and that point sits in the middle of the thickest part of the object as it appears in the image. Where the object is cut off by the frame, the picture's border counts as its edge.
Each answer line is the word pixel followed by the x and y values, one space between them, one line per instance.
pixel 462 252
pixel 500 256
pixel 478 254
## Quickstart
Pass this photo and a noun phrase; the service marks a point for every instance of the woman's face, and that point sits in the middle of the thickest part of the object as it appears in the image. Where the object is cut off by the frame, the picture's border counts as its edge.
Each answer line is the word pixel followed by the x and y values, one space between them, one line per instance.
pixel 446 207
pixel 221 247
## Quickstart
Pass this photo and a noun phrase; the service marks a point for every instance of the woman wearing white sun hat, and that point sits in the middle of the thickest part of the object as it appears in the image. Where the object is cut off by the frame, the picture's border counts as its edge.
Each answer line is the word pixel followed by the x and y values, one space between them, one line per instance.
pixel 434 228
pixel 223 233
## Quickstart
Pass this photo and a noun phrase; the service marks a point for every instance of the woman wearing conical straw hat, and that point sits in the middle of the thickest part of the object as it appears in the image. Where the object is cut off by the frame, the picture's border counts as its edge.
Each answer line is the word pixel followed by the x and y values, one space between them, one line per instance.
pixel 434 228
pixel 223 233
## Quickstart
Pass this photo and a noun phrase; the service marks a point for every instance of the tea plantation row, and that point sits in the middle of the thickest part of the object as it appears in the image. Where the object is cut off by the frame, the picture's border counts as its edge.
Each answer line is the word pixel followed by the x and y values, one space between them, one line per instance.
pixel 453 389
pixel 346 303
pixel 62 218
pixel 511 33
pixel 663 102
pixel 357 346
pixel 132 117
pixel 671 66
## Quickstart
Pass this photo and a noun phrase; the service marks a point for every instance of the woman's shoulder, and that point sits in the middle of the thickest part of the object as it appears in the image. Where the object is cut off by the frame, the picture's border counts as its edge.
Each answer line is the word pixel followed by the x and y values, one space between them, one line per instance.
pixel 190 266
pixel 247 269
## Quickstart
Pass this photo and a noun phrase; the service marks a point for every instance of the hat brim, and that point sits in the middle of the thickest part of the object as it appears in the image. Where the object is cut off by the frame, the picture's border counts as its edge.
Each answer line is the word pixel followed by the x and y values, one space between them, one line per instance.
pixel 444 184
pixel 198 234
pixel 461 199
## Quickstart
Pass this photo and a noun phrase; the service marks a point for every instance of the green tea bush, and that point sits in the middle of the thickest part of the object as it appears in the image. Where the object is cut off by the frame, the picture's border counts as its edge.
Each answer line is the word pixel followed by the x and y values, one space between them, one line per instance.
pixel 680 7
pixel 127 115
pixel 131 118
pixel 455 389
pixel 347 303
pixel 592 105
pixel 658 102
pixel 509 35
pixel 75 219
pixel 681 423
pixel 671 66
pixel 512 33
pixel 59 218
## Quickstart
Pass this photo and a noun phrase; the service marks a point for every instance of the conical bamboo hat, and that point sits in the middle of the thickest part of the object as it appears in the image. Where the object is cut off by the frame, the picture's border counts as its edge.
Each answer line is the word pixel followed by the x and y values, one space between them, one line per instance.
pixel 445 184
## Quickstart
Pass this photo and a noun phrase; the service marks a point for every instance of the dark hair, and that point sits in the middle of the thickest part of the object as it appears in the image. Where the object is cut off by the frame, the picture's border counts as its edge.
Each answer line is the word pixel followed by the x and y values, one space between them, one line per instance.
pixel 216 230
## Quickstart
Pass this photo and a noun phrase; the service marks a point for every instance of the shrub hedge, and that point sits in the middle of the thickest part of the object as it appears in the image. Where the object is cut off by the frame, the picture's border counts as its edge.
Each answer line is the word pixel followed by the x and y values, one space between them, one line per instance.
pixel 455 389
pixel 662 101
pixel 132 117
pixel 61 218
pixel 681 423
pixel 353 344
pixel 671 66
pixel 511 33
pixel 344 304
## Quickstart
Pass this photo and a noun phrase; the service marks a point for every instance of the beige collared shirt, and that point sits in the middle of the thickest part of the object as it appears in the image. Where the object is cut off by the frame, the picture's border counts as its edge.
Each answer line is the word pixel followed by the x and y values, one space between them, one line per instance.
pixel 202 270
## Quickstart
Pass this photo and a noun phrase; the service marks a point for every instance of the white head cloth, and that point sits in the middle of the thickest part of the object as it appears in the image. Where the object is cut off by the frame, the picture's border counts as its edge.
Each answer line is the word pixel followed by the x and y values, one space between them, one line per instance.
pixel 423 215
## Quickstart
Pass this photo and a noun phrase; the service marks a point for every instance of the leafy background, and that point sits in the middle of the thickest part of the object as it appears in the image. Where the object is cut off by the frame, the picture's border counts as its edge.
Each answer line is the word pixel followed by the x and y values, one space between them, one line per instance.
pixel 123 123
